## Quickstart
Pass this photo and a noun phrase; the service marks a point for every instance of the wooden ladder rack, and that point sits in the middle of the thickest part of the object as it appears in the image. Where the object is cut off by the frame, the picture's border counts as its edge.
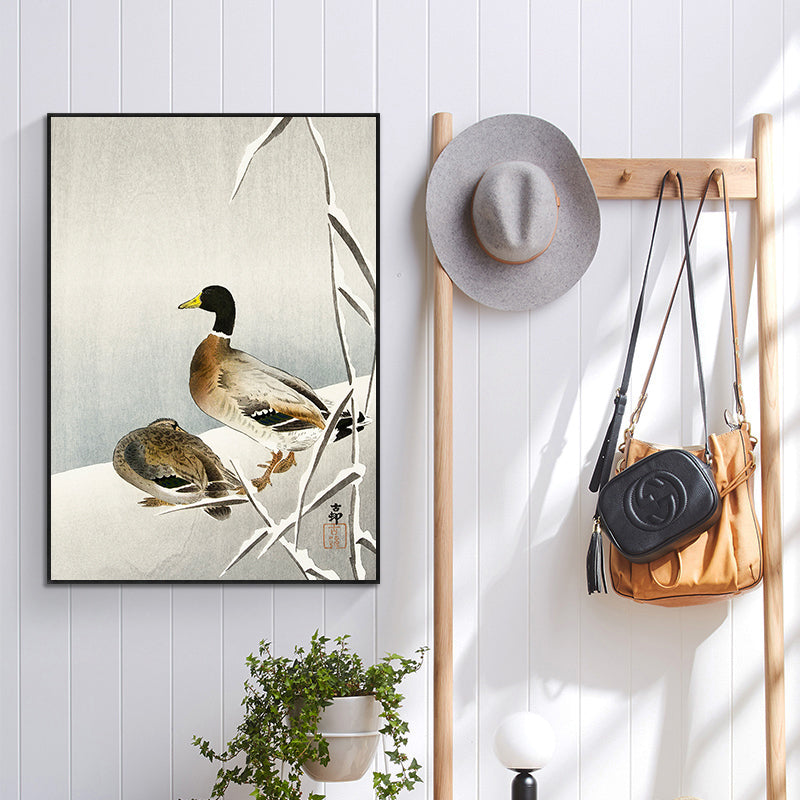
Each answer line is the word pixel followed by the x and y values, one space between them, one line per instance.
pixel 630 178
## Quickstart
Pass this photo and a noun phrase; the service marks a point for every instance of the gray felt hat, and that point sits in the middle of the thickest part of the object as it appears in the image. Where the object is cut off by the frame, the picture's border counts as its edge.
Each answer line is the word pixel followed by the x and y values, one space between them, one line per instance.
pixel 512 213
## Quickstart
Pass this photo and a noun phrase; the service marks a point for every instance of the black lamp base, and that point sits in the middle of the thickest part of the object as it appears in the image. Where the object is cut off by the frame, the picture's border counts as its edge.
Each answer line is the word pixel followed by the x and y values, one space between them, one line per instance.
pixel 523 787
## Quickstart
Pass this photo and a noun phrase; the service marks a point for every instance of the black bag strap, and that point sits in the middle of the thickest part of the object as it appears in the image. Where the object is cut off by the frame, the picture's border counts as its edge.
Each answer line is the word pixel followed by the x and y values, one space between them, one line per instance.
pixel 738 395
pixel 594 559
pixel 602 470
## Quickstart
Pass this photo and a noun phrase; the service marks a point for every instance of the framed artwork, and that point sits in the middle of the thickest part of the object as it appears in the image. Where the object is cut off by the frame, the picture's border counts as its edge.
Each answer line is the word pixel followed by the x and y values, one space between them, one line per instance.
pixel 213 350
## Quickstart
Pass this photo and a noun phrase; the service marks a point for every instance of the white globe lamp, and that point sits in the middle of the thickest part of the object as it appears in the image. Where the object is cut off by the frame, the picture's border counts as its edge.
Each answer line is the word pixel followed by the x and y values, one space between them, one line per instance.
pixel 524 742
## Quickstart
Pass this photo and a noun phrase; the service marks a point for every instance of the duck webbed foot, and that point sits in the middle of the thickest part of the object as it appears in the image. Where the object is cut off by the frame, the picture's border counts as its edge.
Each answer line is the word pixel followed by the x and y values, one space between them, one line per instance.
pixel 276 466
pixel 153 502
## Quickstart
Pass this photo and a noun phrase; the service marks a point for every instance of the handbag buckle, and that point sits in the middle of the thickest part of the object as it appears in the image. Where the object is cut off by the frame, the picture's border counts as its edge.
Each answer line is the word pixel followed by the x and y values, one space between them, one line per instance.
pixel 733 419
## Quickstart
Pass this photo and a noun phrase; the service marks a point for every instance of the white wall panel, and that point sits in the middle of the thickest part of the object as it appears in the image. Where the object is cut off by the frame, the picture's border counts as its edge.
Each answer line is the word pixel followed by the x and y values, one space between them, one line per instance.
pixel 103 686
pixel 503 456
pixel 557 536
pixel 44 611
pixel 196 685
pixel 350 56
pixel 404 599
pixel 196 56
pixel 605 649
pixel 146 692
pixel 247 56
pixel 9 404
pixel 298 39
pixel 146 63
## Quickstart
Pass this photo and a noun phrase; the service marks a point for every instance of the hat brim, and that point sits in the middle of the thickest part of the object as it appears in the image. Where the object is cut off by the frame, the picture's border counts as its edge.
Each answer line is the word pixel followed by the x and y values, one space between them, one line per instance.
pixel 512 287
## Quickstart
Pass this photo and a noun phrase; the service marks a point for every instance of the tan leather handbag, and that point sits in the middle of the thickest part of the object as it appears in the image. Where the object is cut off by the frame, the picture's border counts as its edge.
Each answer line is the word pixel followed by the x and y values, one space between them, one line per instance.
pixel 726 559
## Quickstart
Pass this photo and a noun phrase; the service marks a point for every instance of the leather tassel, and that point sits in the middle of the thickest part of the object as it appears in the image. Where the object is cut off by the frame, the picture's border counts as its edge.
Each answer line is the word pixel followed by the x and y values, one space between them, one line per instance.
pixel 595 562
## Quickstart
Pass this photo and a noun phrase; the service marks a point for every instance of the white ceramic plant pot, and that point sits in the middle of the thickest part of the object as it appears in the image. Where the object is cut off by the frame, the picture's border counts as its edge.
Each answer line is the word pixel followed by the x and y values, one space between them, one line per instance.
pixel 350 726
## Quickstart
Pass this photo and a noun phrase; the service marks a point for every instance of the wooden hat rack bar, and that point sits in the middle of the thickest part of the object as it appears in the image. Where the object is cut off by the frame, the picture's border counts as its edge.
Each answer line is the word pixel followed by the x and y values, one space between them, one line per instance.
pixel 630 178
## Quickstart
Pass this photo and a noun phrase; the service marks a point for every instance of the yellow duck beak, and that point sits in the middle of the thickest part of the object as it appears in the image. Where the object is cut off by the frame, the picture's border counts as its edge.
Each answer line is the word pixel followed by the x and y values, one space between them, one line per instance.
pixel 193 303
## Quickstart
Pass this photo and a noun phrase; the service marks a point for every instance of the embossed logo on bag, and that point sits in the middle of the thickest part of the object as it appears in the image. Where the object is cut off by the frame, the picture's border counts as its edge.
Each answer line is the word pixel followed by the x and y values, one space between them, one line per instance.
pixel 655 500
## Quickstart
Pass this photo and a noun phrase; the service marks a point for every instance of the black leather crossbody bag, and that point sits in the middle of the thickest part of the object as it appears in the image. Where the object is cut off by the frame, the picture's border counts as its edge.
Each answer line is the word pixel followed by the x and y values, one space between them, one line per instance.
pixel 667 499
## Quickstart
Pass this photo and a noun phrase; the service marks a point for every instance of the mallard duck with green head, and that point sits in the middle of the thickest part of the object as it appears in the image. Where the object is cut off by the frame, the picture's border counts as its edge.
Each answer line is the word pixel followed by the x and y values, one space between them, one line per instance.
pixel 174 467
pixel 277 409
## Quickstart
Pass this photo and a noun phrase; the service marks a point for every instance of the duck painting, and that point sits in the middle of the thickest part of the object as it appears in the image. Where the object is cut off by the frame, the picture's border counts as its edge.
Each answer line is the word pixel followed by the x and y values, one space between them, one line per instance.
pixel 174 467
pixel 274 408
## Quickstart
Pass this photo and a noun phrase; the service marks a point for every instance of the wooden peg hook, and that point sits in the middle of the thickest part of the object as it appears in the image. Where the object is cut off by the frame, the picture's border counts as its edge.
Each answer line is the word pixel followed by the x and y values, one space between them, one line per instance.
pixel 718 176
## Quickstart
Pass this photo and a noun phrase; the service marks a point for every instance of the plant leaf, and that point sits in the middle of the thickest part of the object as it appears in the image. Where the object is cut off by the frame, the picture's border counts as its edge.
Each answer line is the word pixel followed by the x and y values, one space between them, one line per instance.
pixel 277 127
pixel 358 305
pixel 341 225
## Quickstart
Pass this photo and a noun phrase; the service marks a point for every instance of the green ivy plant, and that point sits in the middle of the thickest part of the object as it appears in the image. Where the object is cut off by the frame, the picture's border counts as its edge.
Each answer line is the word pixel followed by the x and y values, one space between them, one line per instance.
pixel 283 699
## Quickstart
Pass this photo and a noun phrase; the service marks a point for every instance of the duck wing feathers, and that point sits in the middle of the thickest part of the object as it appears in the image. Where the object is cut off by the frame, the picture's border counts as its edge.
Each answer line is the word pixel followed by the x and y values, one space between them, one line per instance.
pixel 176 460
pixel 267 394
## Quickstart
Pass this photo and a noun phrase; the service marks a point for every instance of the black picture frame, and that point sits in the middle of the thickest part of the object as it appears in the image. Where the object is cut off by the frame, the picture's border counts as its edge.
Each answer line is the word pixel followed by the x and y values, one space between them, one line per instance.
pixel 145 213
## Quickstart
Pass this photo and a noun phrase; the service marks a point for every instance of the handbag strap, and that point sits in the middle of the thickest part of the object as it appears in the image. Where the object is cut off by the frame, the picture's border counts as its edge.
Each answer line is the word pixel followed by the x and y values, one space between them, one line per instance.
pixel 719 175
pixel 602 470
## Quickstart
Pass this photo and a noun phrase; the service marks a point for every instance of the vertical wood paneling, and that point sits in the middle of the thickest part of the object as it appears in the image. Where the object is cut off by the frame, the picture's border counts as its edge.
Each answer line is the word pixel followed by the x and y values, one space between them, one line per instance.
pixel 146 80
pixel 656 632
pixel 454 88
pixel 504 459
pixel 349 56
pixel 196 56
pixel 95 692
pixel 95 610
pixel 247 56
pixel 9 404
pixel 94 56
pixel 146 623
pixel 299 56
pixel 44 610
pixel 403 603
pixel 147 692
pixel 504 57
pixel 605 652
pixel 196 685
pixel 556 531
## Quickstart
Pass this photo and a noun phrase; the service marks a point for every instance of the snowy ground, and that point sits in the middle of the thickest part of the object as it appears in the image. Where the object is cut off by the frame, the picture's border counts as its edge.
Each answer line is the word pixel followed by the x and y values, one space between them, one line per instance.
pixel 100 532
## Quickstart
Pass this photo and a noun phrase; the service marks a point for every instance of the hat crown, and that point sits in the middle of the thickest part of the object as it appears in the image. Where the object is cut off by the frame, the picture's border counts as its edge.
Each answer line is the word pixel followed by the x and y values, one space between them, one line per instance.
pixel 514 211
